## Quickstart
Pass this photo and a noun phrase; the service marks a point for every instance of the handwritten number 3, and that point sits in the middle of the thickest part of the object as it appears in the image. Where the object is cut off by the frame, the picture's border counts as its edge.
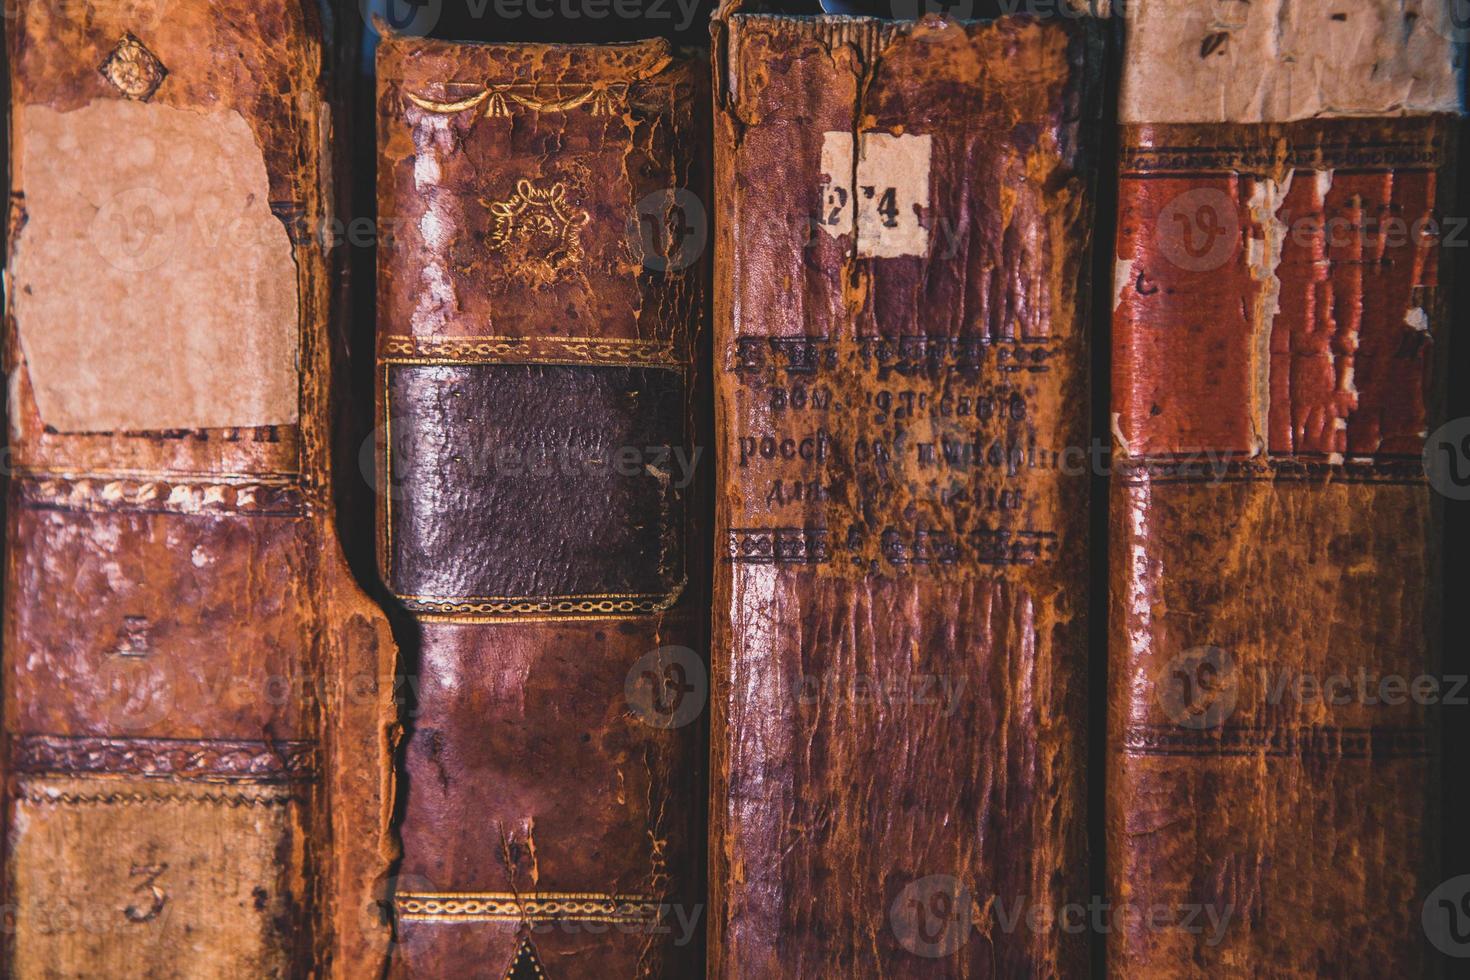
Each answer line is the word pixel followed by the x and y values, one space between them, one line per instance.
pixel 149 890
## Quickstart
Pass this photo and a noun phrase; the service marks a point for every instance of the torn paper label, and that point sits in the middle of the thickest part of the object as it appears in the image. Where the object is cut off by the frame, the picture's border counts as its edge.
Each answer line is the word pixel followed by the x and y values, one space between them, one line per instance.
pixel 1281 60
pixel 890 195
pixel 153 286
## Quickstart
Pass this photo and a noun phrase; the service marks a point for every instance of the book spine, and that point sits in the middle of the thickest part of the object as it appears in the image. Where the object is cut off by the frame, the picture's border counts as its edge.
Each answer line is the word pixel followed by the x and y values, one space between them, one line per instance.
pixel 1273 531
pixel 188 788
pixel 901 573
pixel 539 326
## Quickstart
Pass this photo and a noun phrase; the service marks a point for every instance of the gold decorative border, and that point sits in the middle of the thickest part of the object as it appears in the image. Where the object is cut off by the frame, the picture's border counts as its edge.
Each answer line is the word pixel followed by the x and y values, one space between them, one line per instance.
pixel 192 760
pixel 1403 142
pixel 262 797
pixel 1305 741
pixel 166 493
pixel 604 97
pixel 527 907
pixel 594 351
pixel 1198 467
pixel 592 606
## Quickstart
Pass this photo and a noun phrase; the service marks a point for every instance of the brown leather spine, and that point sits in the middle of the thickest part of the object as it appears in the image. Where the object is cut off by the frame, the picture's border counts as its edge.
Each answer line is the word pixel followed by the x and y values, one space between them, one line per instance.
pixel 901 571
pixel 539 314
pixel 196 696
pixel 1273 546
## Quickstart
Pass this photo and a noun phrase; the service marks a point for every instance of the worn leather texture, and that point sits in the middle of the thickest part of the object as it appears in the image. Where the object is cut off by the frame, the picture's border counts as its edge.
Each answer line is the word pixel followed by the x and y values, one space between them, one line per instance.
pixel 1274 546
pixel 197 696
pixel 538 336
pixel 606 527
pixel 901 586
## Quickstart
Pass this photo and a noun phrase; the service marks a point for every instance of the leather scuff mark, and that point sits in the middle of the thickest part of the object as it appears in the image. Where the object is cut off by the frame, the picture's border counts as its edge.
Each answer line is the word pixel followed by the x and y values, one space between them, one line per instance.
pixel 1122 276
pixel 1263 256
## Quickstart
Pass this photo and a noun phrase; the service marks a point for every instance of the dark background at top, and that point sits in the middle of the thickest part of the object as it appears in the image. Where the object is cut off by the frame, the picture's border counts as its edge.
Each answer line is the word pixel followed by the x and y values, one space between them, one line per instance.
pixel 598 21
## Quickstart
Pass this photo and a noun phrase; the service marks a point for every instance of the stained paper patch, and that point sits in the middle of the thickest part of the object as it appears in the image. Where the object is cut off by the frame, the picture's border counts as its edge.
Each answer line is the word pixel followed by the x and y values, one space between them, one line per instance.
pixel 890 193
pixel 153 287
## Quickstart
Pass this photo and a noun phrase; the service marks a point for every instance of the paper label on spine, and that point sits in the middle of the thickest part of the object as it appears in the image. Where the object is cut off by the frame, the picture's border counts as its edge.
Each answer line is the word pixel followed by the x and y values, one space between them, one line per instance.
pixel 889 190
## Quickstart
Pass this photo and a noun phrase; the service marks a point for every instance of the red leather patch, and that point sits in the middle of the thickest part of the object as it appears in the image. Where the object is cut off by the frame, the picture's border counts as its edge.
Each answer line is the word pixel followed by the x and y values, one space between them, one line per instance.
pixel 1276 286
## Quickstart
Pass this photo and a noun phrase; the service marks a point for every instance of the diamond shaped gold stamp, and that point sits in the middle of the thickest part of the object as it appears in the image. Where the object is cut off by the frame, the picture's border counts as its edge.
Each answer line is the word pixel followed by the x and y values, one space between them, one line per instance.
pixel 132 69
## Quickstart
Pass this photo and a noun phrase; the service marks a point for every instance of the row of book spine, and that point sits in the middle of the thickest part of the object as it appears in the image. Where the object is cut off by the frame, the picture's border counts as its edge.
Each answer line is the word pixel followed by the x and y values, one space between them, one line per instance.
pixel 736 469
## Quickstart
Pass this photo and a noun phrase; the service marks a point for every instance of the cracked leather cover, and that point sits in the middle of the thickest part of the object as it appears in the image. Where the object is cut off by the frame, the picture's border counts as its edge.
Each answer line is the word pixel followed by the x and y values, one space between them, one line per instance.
pixel 901 571
pixel 197 713
pixel 539 315
pixel 1274 539
pixel 539 524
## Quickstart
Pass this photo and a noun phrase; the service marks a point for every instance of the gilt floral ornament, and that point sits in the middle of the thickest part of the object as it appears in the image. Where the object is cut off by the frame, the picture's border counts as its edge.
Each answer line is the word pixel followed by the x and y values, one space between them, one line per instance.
pixel 132 69
pixel 537 231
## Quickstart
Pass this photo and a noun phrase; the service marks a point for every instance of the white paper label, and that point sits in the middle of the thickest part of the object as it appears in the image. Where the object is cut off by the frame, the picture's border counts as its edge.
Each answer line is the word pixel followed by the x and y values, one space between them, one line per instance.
pixel 890 195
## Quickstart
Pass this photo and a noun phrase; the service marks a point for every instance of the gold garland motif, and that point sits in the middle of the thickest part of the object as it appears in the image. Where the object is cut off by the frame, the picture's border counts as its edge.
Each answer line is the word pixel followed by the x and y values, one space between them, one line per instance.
pixel 497 99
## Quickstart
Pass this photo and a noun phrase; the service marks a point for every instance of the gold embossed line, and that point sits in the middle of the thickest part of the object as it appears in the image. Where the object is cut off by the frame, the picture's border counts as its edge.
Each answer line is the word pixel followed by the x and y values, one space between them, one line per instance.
pixel 162 494
pixel 45 796
pixel 532 907
pixel 608 352
pixel 1142 159
pixel 602 98
pixel 570 606
pixel 274 478
pixel 1190 148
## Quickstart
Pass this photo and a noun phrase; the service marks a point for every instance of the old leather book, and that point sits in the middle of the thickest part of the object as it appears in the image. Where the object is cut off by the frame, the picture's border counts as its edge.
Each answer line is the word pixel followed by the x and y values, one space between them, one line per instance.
pixel 195 726
pixel 1273 545
pixel 900 354
pixel 539 314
